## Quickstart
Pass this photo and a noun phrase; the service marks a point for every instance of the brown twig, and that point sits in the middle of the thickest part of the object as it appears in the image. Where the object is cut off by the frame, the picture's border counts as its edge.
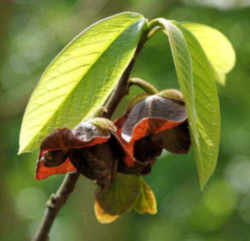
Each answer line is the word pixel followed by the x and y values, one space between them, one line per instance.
pixel 53 206
pixel 56 201
pixel 122 88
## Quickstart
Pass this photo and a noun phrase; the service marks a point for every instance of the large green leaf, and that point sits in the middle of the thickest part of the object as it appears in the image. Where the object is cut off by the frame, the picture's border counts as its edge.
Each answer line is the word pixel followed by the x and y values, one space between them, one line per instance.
pixel 197 82
pixel 81 77
pixel 217 47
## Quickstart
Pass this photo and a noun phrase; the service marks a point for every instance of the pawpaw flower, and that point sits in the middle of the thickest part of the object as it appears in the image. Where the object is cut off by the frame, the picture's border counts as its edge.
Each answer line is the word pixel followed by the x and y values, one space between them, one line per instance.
pixel 91 148
pixel 151 124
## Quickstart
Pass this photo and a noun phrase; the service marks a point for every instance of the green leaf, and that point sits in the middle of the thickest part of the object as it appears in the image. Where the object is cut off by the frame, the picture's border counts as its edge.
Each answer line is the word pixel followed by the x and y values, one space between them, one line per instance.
pixel 119 198
pixel 197 82
pixel 146 203
pixel 216 46
pixel 81 77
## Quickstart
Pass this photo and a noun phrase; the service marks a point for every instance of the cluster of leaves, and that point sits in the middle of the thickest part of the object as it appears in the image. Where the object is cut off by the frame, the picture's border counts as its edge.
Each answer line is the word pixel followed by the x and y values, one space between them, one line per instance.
pixel 83 76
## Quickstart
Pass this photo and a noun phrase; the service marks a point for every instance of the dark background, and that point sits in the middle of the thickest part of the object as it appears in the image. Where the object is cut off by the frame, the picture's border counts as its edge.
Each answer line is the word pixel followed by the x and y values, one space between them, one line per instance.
pixel 31 34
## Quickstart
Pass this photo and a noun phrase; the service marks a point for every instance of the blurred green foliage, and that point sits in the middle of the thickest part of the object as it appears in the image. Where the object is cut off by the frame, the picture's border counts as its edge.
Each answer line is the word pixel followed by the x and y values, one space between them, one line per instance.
pixel 32 32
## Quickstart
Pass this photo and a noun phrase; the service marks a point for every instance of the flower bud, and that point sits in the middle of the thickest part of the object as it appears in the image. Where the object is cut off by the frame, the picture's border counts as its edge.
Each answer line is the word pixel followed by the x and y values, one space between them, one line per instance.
pixel 151 124
pixel 92 148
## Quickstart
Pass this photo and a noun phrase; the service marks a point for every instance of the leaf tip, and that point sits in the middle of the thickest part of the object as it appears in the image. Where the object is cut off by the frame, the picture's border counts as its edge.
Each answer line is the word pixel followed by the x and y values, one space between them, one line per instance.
pixel 204 181
pixel 21 150
pixel 102 216
pixel 202 186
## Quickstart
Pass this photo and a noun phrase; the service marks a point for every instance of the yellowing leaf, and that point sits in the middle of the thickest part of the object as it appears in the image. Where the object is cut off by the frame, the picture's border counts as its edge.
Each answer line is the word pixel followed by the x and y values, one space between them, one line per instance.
pixel 216 46
pixel 102 216
pixel 146 203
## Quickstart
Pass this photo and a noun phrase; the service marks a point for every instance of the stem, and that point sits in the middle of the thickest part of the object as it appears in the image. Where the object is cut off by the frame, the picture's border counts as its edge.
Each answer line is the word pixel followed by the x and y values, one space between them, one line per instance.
pixel 146 86
pixel 53 206
pixel 122 88
pixel 153 31
pixel 56 201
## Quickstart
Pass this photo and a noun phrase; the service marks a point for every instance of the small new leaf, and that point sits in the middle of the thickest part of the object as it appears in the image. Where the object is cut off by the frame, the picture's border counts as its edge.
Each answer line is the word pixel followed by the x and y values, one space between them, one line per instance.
pixel 146 203
pixel 118 198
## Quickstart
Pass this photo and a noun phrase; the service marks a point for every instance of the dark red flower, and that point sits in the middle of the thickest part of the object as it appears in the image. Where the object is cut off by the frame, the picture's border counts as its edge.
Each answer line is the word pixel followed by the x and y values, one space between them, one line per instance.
pixel 153 123
pixel 92 148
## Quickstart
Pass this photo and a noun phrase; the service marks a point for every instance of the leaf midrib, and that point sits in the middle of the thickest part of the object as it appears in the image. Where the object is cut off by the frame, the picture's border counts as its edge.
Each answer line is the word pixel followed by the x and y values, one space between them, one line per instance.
pixel 73 89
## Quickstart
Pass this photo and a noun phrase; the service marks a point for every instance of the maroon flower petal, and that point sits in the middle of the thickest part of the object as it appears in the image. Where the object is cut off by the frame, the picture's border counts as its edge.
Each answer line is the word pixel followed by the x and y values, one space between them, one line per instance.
pixel 65 139
pixel 42 171
pixel 97 162
pixel 150 116
pixel 55 149
pixel 139 129
pixel 176 140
